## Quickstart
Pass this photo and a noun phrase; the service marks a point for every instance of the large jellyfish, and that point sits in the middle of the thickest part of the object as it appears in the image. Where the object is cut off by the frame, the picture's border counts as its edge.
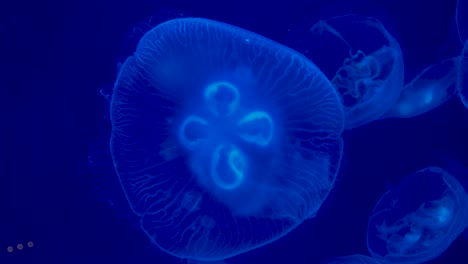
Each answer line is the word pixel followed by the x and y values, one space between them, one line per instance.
pixel 369 76
pixel 431 88
pixel 354 259
pixel 419 219
pixel 223 140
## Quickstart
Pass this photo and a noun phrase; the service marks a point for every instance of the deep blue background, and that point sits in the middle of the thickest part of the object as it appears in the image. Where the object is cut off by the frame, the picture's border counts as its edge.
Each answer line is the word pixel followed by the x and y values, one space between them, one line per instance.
pixel 56 181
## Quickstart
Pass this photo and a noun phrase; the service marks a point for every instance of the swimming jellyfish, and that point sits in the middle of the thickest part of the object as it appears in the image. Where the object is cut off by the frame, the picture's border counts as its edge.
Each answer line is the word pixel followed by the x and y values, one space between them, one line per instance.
pixel 418 220
pixel 363 61
pixel 223 140
pixel 354 259
pixel 431 88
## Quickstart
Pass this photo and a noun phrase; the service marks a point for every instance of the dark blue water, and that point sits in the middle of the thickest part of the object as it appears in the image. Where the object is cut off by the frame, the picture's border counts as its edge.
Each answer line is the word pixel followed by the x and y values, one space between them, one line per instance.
pixel 58 187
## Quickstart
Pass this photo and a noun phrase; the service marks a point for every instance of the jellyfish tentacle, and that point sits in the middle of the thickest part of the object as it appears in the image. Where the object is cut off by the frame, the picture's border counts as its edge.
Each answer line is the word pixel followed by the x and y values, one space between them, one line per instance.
pixel 370 76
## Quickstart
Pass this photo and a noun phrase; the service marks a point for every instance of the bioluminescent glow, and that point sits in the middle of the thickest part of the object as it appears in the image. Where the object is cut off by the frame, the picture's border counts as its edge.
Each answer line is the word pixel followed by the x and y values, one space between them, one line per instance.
pixel 431 88
pixel 419 219
pixel 223 140
pixel 370 77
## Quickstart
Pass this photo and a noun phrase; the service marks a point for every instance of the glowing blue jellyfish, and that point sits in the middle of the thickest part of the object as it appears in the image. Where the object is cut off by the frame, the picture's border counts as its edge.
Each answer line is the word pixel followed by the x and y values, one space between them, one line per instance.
pixel 431 88
pixel 223 140
pixel 369 77
pixel 354 259
pixel 419 219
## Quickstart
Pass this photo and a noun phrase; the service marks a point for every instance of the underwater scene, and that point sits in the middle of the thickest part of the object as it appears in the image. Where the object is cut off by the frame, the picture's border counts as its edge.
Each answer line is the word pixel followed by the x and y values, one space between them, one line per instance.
pixel 198 132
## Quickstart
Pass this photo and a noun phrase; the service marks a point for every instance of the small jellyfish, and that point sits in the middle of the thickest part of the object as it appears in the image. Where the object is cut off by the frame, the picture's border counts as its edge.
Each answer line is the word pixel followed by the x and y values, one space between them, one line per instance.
pixel 369 77
pixel 223 140
pixel 418 220
pixel 431 88
pixel 354 259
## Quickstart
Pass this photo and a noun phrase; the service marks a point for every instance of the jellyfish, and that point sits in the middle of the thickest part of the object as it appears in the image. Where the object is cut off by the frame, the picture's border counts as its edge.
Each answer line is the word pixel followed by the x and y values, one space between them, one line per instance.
pixel 363 61
pixel 223 140
pixel 354 259
pixel 459 169
pixel 431 88
pixel 418 220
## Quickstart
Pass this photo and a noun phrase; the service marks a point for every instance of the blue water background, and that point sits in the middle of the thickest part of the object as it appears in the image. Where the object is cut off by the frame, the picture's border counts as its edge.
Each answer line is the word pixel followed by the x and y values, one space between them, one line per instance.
pixel 57 185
